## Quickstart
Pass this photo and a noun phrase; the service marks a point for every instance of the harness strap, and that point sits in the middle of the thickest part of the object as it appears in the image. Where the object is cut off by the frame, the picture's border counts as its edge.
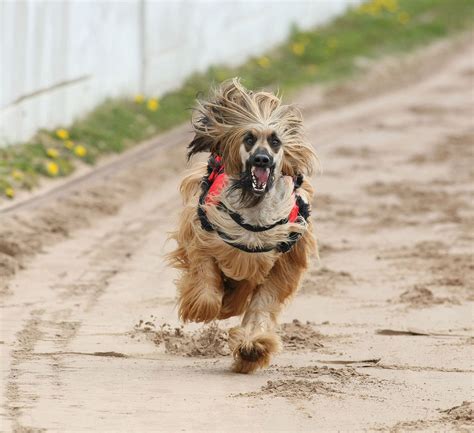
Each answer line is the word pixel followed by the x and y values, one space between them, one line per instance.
pixel 243 247
pixel 238 219
pixel 215 170
pixel 281 247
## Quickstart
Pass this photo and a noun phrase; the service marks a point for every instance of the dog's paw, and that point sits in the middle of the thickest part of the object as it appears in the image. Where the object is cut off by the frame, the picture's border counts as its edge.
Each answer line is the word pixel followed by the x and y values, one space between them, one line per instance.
pixel 252 353
pixel 204 306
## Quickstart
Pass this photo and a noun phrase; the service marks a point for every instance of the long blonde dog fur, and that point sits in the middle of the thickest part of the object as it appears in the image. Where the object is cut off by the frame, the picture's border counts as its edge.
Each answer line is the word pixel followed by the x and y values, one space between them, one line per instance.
pixel 216 279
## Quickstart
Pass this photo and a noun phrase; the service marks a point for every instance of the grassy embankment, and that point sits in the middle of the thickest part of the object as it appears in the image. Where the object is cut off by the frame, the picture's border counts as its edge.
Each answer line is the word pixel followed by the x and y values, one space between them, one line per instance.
pixel 374 29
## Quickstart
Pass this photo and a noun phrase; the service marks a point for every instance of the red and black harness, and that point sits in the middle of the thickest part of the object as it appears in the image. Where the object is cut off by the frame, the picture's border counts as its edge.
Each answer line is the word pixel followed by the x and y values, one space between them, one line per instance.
pixel 211 186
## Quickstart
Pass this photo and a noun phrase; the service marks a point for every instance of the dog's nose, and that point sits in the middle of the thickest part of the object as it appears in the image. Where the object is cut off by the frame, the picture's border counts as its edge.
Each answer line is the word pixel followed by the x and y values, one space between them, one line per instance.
pixel 262 160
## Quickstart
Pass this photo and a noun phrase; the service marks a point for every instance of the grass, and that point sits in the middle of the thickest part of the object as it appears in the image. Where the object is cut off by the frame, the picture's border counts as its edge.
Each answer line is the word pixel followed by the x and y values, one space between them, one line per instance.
pixel 327 53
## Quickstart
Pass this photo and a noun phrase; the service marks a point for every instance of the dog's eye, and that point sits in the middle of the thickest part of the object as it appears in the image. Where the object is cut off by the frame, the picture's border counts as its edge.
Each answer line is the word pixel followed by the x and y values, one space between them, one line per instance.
pixel 274 141
pixel 249 141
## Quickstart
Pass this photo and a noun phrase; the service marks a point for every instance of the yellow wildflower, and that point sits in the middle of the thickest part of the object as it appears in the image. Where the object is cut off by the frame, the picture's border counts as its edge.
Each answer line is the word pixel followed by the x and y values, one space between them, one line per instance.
pixel 63 134
pixel 153 104
pixel 403 18
pixel 9 192
pixel 17 174
pixel 264 62
pixel 298 48
pixel 139 99
pixel 52 168
pixel 391 5
pixel 69 144
pixel 333 43
pixel 371 8
pixel 80 151
pixel 375 7
pixel 52 153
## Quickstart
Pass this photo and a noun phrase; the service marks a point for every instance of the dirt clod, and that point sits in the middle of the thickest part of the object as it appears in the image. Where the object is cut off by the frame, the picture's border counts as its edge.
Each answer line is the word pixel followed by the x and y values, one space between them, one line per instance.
pixel 208 342
pixel 300 336
pixel 463 412
pixel 421 296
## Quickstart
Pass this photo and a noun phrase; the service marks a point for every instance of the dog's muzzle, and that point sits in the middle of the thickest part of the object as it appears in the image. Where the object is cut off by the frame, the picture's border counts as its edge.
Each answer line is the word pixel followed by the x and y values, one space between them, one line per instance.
pixel 261 170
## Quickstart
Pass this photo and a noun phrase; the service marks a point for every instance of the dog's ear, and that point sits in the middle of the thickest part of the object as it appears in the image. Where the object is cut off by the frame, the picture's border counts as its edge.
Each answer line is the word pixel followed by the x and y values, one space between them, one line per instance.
pixel 200 143
pixel 298 154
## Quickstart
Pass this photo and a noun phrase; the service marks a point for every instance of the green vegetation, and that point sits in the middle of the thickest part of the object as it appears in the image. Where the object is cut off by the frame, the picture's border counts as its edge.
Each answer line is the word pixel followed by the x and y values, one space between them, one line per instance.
pixel 376 28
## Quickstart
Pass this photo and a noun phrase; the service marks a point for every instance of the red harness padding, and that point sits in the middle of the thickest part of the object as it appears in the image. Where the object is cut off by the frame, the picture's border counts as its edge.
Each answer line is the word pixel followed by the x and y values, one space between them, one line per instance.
pixel 212 186
pixel 218 180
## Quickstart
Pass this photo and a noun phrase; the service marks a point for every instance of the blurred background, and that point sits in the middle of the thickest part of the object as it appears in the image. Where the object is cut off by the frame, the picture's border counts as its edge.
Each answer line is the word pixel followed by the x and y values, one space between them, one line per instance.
pixel 82 79
pixel 61 58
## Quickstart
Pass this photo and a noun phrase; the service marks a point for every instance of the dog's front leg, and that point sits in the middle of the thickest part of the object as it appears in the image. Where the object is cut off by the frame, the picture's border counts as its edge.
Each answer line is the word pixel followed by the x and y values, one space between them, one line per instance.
pixel 255 340
pixel 200 291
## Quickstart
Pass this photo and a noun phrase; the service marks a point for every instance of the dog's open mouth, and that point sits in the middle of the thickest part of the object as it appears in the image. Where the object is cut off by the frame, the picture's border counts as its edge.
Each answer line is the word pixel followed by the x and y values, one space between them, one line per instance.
pixel 260 179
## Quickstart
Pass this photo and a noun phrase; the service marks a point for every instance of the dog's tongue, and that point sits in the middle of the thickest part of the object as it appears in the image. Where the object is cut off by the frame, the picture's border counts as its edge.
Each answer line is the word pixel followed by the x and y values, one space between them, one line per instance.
pixel 261 174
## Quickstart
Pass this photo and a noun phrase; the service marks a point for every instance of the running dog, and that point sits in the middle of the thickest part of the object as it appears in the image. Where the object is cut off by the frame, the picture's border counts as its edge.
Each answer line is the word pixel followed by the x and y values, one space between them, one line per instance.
pixel 245 237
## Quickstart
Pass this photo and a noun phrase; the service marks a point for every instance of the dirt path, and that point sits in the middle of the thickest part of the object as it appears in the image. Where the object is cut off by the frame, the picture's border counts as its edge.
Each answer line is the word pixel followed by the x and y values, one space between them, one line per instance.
pixel 379 337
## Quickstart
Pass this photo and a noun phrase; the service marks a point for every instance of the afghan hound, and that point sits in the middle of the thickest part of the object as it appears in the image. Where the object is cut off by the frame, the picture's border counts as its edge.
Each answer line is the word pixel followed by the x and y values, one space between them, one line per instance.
pixel 244 238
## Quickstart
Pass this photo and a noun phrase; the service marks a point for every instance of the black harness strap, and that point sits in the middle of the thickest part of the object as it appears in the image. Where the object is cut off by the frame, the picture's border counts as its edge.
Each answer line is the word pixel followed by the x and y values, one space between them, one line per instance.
pixel 216 168
pixel 243 247
pixel 238 219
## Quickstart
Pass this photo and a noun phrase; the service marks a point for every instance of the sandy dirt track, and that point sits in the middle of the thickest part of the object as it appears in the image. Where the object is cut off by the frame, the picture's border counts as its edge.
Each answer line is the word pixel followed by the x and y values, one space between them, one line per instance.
pixel 379 337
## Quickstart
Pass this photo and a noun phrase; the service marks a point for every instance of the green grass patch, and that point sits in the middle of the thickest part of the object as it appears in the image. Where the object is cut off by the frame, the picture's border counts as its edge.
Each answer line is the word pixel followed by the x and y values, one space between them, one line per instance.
pixel 328 53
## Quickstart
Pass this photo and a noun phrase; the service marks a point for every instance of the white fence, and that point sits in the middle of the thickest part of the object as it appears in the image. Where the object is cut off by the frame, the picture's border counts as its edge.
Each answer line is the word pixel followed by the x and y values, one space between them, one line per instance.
pixel 59 59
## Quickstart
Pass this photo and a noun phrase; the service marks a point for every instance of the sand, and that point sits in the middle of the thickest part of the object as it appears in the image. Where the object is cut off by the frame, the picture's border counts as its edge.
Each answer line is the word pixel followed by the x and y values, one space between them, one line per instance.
pixel 379 337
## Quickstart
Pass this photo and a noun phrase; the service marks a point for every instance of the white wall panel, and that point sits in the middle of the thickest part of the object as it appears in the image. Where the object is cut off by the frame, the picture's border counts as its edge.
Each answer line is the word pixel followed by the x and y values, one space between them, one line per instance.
pixel 59 59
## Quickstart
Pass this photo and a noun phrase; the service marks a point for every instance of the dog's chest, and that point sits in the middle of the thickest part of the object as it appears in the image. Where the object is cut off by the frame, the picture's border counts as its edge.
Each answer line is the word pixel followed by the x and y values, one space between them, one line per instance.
pixel 271 213
pixel 239 265
pixel 276 205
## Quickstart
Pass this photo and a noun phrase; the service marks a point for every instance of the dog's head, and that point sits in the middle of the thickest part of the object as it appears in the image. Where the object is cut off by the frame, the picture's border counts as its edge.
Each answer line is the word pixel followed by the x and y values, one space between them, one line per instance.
pixel 258 138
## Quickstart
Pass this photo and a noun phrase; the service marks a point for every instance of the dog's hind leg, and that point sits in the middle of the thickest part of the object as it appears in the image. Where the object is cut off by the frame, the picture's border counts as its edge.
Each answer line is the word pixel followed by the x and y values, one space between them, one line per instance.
pixel 200 291
pixel 236 298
